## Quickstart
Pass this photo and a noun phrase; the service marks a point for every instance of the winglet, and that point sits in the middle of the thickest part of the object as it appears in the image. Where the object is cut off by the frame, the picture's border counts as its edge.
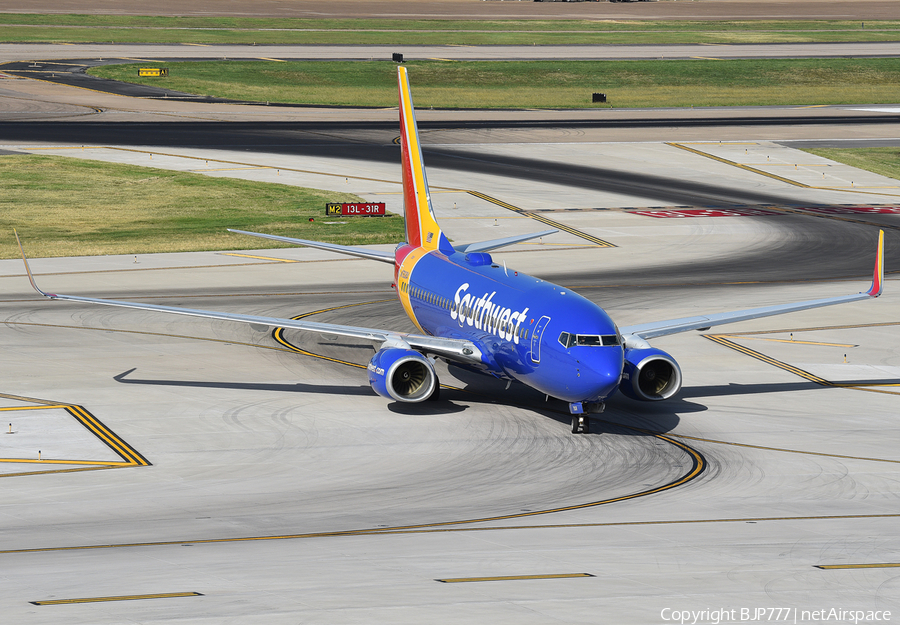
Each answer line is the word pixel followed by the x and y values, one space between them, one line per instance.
pixel 28 269
pixel 878 277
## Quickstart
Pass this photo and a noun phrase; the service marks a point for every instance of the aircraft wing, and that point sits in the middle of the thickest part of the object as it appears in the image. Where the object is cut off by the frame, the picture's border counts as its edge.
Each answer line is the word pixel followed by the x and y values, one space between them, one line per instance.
pixel 674 326
pixel 458 350
pixel 361 252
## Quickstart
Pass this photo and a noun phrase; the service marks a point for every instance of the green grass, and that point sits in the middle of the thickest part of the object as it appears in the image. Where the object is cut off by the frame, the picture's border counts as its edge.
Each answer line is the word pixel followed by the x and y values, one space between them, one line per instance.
pixel 211 30
pixel 537 84
pixel 72 207
pixel 355 24
pixel 883 161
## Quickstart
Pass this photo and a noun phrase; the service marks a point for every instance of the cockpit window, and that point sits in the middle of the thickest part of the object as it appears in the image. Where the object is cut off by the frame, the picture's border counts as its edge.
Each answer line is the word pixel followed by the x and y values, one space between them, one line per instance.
pixel 568 339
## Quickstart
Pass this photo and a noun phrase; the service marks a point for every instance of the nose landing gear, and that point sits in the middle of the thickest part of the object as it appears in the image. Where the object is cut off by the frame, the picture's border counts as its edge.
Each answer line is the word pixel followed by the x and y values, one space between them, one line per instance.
pixel 581 424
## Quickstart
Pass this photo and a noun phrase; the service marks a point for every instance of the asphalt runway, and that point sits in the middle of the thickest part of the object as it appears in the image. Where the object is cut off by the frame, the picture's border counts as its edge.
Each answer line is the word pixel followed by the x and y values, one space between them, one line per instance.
pixel 129 53
pixel 164 469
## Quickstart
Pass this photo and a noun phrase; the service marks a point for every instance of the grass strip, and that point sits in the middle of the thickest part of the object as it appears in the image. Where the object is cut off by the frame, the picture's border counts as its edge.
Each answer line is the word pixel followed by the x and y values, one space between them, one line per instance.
pixel 882 161
pixel 474 24
pixel 537 84
pixel 222 30
pixel 73 207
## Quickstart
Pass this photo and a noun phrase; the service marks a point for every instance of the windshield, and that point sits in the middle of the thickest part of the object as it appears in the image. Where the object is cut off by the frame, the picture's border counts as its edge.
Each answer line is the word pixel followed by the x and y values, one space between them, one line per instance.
pixel 568 339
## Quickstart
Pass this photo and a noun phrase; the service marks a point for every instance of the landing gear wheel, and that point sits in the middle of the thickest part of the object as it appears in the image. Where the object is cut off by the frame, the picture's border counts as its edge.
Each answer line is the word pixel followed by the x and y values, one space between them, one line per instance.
pixel 581 425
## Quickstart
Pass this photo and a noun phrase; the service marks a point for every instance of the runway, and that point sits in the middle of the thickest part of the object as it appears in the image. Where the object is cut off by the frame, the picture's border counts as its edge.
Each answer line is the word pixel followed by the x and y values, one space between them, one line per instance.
pixel 131 53
pixel 279 488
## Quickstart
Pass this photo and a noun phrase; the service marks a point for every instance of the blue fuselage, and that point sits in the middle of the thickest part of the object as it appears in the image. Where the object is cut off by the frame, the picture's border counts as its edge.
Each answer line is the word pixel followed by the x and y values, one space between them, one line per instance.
pixel 529 330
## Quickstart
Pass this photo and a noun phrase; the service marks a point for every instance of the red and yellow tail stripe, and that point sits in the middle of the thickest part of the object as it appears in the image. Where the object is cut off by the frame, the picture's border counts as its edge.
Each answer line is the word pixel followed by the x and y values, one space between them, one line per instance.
pixel 878 277
pixel 422 229
pixel 404 284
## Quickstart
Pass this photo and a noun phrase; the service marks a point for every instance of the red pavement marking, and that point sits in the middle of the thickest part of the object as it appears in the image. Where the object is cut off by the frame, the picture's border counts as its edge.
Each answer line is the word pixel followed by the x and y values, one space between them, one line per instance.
pixel 757 212
pixel 850 210
pixel 703 212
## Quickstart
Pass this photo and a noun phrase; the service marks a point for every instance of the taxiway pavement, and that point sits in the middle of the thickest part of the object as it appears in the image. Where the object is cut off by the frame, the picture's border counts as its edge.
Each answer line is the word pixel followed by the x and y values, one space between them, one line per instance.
pixel 243 481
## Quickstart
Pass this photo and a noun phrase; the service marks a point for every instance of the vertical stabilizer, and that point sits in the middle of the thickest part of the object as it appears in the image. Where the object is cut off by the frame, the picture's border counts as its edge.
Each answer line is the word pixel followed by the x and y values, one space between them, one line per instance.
pixel 422 229
pixel 878 276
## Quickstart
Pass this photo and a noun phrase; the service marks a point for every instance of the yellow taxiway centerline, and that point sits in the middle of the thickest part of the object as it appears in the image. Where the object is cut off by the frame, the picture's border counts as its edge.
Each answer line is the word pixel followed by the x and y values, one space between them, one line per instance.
pixel 507 578
pixel 167 595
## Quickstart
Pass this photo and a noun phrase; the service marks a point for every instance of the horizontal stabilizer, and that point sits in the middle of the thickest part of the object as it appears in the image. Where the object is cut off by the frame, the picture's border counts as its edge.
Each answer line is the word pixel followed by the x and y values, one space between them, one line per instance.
pixel 361 252
pixel 495 244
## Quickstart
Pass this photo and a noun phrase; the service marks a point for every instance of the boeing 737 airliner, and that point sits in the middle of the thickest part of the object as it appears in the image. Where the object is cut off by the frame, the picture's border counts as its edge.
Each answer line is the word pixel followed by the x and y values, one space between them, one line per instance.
pixel 474 313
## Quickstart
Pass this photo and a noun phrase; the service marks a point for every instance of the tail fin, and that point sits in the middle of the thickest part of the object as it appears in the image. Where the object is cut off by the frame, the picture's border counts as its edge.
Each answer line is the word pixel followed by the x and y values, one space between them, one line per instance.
pixel 422 229
pixel 878 276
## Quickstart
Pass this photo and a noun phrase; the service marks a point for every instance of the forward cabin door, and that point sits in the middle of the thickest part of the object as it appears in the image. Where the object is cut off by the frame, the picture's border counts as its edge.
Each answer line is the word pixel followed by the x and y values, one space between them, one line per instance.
pixel 536 339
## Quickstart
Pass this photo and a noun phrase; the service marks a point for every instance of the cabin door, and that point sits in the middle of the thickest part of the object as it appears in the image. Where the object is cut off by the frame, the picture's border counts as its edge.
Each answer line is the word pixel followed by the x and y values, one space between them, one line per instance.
pixel 536 338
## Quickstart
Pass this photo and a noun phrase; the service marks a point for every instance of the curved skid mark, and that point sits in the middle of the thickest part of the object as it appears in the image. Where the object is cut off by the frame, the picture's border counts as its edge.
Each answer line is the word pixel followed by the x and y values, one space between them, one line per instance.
pixel 698 462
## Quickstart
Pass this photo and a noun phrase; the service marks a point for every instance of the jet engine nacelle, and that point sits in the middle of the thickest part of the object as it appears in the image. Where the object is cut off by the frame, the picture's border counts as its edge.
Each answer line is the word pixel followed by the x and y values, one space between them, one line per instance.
pixel 650 375
pixel 402 375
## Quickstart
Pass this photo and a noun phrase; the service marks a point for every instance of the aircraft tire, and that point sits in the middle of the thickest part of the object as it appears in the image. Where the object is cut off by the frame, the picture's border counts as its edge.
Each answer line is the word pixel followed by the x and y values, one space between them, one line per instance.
pixel 581 425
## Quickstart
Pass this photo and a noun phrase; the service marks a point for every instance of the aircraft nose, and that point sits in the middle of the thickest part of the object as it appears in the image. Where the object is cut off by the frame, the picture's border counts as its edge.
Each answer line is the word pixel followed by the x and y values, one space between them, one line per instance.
pixel 601 374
